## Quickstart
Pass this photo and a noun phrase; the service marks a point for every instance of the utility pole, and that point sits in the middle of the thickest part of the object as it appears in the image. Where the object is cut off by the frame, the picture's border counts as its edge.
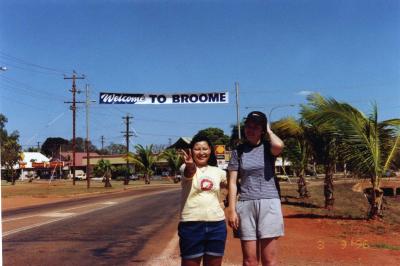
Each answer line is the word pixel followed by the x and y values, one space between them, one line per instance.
pixel 102 146
pixel 88 101
pixel 127 135
pixel 73 108
pixel 237 109
pixel 102 143
pixel 60 161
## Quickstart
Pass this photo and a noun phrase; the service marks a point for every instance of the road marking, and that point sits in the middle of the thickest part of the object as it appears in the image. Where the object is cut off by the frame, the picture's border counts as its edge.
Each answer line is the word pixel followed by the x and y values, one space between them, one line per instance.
pixel 58 211
pixel 57 214
pixel 169 256
pixel 50 221
pixel 30 227
pixel 109 202
pixel 70 215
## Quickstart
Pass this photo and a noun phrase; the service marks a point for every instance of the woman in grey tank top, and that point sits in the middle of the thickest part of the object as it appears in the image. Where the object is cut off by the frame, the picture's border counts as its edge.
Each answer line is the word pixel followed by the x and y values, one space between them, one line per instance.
pixel 257 215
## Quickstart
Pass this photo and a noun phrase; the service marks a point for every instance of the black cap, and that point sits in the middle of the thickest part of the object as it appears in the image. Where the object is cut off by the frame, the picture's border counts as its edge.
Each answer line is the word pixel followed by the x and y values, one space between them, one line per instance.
pixel 258 117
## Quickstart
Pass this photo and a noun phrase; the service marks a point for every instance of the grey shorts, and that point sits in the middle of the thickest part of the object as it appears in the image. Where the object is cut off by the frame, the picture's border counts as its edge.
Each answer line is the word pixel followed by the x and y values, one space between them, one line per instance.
pixel 260 219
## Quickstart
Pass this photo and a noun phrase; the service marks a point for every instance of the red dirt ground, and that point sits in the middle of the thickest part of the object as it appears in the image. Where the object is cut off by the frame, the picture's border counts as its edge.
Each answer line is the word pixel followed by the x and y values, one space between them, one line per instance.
pixel 313 241
pixel 308 241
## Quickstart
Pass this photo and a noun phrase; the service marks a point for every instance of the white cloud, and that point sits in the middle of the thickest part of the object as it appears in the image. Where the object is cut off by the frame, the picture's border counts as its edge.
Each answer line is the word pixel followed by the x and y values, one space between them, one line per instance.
pixel 305 93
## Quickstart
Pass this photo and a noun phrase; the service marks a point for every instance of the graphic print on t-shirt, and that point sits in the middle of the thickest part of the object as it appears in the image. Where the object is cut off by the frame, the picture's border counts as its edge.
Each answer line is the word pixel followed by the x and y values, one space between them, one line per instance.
pixel 205 183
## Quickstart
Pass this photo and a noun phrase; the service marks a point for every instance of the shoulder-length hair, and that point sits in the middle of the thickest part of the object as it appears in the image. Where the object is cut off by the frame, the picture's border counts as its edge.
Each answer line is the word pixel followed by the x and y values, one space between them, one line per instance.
pixel 212 161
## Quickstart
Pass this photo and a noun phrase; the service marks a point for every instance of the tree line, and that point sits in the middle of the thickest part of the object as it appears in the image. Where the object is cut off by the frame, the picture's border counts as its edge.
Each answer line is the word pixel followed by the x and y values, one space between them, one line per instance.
pixel 327 133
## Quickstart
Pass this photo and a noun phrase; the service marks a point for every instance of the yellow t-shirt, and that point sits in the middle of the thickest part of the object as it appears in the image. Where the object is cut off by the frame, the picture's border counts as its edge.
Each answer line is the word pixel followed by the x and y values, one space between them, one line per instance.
pixel 200 195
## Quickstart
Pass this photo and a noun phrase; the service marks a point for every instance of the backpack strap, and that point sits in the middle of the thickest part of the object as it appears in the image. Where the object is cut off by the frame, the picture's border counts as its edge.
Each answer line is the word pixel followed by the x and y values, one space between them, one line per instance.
pixel 240 150
pixel 272 159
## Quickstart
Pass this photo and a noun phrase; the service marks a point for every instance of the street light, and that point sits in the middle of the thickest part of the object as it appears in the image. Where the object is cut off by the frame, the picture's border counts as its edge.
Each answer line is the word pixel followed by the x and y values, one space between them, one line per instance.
pixel 272 109
pixel 279 106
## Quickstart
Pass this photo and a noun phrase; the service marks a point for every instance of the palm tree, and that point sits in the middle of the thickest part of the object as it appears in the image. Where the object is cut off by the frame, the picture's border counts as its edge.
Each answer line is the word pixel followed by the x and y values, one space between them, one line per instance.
pixel 105 167
pixel 324 148
pixel 145 159
pixel 369 146
pixel 295 133
pixel 174 160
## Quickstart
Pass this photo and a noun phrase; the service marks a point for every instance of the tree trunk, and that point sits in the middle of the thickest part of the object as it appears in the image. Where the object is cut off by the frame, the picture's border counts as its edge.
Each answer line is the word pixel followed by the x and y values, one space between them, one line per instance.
pixel 328 187
pixel 12 176
pixel 302 186
pixel 146 179
pixel 107 184
pixel 283 166
pixel 375 200
pixel 126 180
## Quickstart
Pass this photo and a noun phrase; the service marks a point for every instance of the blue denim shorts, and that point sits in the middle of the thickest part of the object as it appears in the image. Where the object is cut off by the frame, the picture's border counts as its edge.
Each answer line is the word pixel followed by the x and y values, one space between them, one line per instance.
pixel 199 238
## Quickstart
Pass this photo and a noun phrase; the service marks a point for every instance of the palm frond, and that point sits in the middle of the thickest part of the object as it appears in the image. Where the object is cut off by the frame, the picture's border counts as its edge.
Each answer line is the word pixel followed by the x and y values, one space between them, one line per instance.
pixel 360 133
pixel 288 127
pixel 394 150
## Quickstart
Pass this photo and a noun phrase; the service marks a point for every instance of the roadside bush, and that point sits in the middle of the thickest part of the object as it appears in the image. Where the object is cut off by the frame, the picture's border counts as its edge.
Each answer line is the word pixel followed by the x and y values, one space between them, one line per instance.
pixel 98 171
pixel 119 178
pixel 121 171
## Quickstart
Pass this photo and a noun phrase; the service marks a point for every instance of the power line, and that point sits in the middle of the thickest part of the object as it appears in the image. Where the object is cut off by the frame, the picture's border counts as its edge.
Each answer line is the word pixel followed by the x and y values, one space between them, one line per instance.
pixel 156 135
pixel 30 70
pixel 27 89
pixel 37 108
pixel 22 61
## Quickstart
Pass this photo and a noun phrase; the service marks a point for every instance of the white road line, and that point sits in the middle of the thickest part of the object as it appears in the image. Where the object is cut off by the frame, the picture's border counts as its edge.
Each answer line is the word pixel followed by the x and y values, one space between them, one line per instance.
pixel 169 256
pixel 105 205
pixel 57 214
pixel 84 206
pixel 30 227
pixel 51 221
pixel 109 202
pixel 42 214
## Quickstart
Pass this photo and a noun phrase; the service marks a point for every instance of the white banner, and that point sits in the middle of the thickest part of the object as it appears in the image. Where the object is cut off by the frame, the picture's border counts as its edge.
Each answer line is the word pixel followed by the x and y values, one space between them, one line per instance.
pixel 181 98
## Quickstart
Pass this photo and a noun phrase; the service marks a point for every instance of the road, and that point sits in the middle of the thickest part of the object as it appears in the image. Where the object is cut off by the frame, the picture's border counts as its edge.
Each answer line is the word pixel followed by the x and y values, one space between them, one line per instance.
pixel 127 229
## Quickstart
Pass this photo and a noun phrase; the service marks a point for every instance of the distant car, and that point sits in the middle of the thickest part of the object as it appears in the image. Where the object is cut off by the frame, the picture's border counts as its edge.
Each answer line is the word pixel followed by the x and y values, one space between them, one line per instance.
pixel 165 173
pixel 134 177
pixel 79 175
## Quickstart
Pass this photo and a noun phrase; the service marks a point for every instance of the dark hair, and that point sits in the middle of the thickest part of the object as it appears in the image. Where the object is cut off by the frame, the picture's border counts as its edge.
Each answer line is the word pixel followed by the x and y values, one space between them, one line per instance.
pixel 201 137
pixel 259 118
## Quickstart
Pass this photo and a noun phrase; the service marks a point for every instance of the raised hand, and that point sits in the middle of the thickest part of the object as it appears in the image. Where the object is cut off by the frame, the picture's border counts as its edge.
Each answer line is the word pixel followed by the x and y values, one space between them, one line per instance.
pixel 190 166
pixel 187 156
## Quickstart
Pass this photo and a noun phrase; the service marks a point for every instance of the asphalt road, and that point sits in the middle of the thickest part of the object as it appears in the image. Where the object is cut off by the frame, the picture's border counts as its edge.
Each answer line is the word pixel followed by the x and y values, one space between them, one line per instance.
pixel 114 230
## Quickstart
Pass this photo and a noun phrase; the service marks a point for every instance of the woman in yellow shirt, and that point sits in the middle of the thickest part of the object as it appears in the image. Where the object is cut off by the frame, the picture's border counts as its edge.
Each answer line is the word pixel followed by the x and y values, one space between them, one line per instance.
pixel 202 227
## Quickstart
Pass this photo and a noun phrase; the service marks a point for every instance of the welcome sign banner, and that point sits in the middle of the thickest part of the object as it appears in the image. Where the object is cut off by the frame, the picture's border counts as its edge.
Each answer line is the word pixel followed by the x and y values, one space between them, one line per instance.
pixel 182 98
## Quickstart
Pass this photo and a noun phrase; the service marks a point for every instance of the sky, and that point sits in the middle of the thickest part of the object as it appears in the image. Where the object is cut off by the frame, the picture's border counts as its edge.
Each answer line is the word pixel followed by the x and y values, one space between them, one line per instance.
pixel 278 51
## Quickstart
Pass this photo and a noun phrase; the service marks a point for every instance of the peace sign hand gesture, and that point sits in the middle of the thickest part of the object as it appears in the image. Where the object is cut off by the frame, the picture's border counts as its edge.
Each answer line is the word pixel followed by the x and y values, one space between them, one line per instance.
pixel 187 156
pixel 190 166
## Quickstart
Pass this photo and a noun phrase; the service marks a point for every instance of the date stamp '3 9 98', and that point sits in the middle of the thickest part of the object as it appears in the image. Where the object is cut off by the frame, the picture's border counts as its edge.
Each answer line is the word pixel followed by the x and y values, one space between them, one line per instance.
pixel 355 243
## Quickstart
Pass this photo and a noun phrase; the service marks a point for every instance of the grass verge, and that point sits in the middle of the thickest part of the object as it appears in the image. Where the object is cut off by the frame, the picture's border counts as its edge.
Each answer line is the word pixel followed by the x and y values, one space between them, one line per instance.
pixel 385 246
pixel 64 188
